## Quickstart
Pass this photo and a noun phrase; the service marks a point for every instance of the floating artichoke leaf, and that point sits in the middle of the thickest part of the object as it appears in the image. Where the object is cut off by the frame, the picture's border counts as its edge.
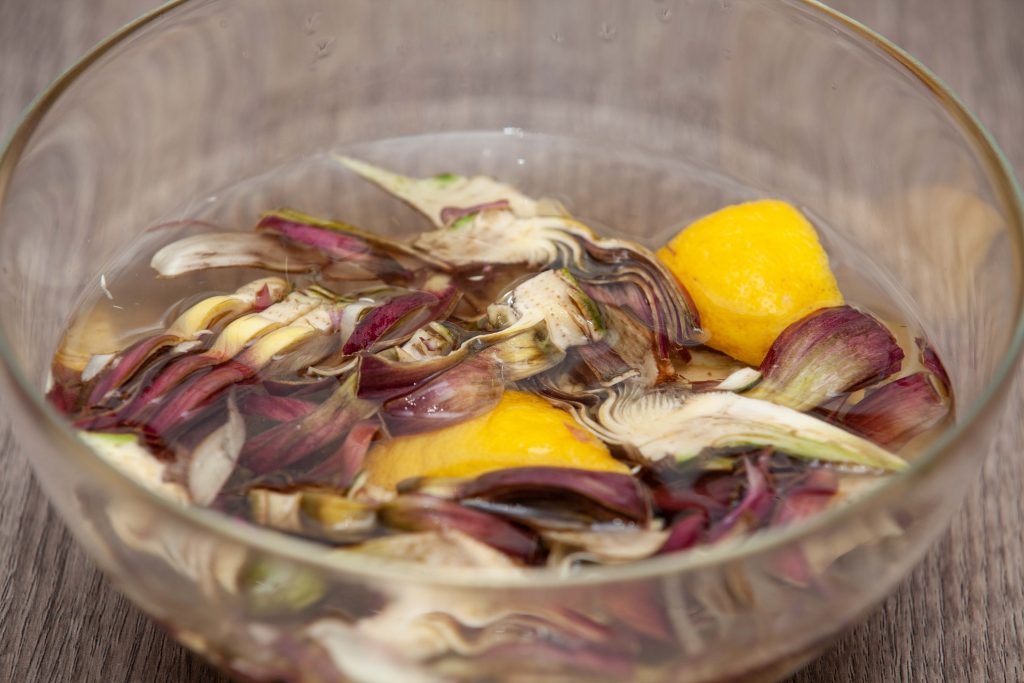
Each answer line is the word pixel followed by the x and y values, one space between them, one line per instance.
pixel 257 294
pixel 402 313
pixel 397 319
pixel 827 353
pixel 380 378
pixel 235 250
pixel 519 352
pixel 499 236
pixel 551 300
pixel 625 274
pixel 342 243
pixel 432 196
pixel 661 424
pixel 555 298
pixel 807 497
pixel 894 413
pixel 607 365
pixel 520 235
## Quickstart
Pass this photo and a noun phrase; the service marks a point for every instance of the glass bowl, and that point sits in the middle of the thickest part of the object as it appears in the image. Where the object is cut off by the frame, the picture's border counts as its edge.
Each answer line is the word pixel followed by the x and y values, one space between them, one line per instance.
pixel 642 116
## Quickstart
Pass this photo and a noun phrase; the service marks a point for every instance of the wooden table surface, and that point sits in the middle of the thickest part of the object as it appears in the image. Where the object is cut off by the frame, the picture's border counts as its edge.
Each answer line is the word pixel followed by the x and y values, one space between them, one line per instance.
pixel 958 617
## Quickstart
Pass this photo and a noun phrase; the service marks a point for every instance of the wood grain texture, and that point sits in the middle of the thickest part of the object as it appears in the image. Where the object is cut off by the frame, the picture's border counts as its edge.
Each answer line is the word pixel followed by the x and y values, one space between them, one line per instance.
pixel 958 617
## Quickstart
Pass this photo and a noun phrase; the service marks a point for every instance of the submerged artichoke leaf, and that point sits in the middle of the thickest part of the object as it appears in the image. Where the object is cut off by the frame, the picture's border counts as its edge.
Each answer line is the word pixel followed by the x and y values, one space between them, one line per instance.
pixel 419 512
pixel 608 544
pixel 554 496
pixel 126 453
pixel 441 548
pixel 213 460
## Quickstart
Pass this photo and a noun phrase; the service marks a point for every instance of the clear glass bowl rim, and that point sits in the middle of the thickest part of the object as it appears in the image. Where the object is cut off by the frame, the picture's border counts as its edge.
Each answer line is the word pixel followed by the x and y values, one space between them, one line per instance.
pixel 310 553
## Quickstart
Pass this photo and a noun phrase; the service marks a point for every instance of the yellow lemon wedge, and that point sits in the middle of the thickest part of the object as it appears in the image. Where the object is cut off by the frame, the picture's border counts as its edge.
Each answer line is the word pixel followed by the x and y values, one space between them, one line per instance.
pixel 523 430
pixel 752 270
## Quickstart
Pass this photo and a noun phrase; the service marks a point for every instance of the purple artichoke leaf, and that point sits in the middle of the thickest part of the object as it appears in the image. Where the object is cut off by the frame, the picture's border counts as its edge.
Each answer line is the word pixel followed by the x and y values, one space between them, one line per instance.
pixel 338 470
pixel 931 362
pixel 194 393
pixel 378 255
pixel 560 495
pixel 679 499
pixel 290 442
pixel 894 413
pixel 125 365
pixel 647 288
pixel 418 512
pixel 825 354
pixel 686 532
pixel 757 502
pixel 397 319
pixel 380 378
pixel 64 398
pixel 469 389
pixel 297 388
pixel 805 498
pixel 606 364
pixel 176 373
pixel 276 408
